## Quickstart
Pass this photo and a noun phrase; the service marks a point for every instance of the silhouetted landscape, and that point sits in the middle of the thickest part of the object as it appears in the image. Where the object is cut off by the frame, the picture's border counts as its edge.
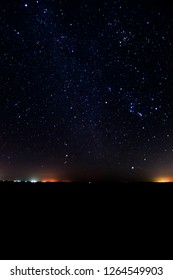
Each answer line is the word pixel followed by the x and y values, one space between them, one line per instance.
pixel 52 218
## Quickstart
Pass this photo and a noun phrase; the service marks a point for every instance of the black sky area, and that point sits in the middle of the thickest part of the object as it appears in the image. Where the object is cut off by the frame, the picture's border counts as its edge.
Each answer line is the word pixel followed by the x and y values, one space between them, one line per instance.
pixel 86 90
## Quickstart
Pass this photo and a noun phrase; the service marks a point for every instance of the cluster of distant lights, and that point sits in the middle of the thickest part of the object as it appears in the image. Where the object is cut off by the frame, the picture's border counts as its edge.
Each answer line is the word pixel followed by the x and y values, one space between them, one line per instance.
pixel 157 180
pixel 33 180
pixel 36 181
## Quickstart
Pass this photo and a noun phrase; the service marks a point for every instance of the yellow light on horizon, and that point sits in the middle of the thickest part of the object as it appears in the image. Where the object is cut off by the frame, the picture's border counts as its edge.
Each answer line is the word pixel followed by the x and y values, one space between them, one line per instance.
pixel 164 180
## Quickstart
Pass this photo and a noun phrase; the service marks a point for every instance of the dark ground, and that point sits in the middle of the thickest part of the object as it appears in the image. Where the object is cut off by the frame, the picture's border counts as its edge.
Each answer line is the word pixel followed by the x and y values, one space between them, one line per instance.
pixel 86 221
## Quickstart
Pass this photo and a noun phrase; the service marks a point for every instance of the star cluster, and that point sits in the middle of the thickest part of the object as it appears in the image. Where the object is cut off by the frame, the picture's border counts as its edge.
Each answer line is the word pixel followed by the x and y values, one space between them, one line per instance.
pixel 85 89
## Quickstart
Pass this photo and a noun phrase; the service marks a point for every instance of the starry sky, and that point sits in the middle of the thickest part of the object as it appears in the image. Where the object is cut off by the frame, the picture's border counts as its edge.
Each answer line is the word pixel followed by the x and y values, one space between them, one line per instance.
pixel 86 89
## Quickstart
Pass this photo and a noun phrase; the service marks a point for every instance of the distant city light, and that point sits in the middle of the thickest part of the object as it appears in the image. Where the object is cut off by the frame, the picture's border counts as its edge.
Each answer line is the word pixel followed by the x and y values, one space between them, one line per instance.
pixel 49 180
pixel 33 181
pixel 163 180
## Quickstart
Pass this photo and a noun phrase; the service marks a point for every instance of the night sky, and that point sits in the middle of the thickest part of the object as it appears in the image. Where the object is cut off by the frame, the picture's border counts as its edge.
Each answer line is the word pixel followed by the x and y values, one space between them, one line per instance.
pixel 86 90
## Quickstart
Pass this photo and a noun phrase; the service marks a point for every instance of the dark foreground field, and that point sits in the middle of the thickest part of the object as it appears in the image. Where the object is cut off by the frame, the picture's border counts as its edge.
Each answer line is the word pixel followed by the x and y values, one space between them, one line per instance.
pixel 86 221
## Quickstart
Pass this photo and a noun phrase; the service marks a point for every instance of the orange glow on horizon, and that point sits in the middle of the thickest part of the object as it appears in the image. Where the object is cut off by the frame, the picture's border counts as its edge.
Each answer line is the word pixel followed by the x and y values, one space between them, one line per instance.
pixel 50 180
pixel 53 180
pixel 164 180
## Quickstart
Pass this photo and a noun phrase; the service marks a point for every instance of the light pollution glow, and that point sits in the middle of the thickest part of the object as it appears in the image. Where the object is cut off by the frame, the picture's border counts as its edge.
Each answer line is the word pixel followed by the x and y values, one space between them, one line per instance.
pixel 163 180
pixel 34 180
pixel 54 180
pixel 50 181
